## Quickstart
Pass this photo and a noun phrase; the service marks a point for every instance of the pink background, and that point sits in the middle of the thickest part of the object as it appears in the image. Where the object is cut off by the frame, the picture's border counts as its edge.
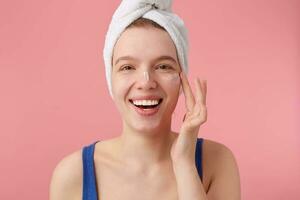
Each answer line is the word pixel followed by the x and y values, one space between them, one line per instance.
pixel 54 98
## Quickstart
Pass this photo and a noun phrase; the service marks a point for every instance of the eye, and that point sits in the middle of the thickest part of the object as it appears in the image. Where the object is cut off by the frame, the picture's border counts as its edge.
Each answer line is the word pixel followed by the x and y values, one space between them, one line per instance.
pixel 165 67
pixel 126 68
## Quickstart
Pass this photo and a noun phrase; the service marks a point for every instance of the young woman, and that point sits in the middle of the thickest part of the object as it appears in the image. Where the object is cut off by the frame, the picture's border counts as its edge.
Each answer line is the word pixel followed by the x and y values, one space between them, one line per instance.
pixel 149 160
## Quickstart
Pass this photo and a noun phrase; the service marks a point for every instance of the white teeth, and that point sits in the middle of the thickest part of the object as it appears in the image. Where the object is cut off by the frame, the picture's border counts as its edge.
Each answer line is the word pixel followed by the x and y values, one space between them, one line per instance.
pixel 145 102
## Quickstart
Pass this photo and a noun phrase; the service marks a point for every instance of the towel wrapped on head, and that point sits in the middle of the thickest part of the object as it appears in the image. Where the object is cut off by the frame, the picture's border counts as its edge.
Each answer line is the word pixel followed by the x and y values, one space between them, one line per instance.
pixel 158 11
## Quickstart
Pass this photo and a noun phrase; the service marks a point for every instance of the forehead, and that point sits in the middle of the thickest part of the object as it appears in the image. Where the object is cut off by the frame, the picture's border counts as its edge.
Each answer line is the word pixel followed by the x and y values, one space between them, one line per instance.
pixel 144 43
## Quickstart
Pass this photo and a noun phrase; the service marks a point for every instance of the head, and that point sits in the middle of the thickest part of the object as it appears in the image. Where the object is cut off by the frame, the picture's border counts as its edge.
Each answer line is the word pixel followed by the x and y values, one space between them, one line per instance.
pixel 145 48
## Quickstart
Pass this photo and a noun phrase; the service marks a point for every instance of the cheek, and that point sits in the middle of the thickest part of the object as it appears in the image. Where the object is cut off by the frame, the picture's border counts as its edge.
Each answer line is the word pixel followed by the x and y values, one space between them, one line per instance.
pixel 170 78
pixel 120 86
pixel 119 90
pixel 172 81
pixel 172 88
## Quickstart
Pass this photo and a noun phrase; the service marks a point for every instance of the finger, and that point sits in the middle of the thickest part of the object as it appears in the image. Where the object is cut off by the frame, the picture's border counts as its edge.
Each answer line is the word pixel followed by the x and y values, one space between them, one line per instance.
pixel 199 97
pixel 204 91
pixel 200 110
pixel 201 115
pixel 189 97
pixel 197 121
pixel 199 91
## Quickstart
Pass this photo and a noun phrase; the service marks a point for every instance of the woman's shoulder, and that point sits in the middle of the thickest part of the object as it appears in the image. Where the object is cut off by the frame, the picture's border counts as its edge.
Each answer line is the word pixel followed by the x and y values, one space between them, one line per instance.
pixel 214 147
pixel 215 152
pixel 70 165
pixel 66 180
pixel 219 163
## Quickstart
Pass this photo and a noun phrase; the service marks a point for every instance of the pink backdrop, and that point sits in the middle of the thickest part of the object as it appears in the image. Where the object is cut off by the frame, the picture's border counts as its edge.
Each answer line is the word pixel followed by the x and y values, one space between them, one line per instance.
pixel 54 98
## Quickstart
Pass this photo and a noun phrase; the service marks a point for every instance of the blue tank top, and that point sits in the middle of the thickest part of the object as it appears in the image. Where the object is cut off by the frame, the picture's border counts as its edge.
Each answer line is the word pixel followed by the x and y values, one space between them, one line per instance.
pixel 89 179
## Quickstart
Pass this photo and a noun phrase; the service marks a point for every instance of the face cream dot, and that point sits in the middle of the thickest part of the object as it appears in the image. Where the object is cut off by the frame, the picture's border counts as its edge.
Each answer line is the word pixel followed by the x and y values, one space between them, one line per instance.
pixel 174 77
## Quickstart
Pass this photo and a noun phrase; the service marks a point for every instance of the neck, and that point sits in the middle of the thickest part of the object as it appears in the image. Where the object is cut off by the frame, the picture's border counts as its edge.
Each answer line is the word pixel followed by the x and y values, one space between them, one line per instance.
pixel 142 149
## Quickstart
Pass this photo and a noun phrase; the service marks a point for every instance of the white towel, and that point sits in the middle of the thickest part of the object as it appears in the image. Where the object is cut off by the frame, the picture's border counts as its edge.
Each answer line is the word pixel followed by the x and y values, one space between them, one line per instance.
pixel 158 11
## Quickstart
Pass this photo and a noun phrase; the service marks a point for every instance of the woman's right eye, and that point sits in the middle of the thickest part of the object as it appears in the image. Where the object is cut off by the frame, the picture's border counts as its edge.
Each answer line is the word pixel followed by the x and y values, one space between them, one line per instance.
pixel 126 67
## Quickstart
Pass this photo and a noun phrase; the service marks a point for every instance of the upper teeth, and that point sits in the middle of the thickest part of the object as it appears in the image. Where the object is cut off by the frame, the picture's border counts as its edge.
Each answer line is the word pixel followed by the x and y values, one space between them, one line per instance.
pixel 145 102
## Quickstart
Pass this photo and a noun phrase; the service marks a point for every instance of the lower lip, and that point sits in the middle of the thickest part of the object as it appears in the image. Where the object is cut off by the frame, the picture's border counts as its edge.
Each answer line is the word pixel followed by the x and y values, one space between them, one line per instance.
pixel 146 112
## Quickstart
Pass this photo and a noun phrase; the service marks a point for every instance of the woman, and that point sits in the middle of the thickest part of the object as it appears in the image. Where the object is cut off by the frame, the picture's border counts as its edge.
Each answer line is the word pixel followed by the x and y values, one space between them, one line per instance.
pixel 149 160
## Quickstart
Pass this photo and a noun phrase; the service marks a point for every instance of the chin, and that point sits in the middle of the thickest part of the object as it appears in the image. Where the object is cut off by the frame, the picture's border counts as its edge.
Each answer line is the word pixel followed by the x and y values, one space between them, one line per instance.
pixel 144 126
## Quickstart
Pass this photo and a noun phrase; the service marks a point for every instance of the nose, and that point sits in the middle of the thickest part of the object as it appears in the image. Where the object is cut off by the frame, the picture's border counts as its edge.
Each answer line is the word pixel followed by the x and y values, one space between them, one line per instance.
pixel 146 81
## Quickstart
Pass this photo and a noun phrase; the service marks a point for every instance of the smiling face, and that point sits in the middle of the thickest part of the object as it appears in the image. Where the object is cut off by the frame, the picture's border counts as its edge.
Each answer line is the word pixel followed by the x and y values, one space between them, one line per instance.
pixel 145 66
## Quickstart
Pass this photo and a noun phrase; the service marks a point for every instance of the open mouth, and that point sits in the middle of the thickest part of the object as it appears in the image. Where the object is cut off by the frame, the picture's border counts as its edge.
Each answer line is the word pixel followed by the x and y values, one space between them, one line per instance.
pixel 146 106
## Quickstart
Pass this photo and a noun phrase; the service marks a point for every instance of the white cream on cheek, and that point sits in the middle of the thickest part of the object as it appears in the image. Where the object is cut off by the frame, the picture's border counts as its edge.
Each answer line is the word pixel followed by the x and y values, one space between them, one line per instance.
pixel 174 77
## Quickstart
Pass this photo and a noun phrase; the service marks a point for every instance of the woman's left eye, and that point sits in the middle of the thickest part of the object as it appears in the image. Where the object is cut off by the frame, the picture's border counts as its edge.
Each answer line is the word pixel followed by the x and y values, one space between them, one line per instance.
pixel 165 67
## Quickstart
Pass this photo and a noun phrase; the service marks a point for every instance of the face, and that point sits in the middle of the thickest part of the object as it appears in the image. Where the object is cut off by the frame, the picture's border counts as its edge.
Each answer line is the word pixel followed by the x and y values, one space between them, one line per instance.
pixel 145 67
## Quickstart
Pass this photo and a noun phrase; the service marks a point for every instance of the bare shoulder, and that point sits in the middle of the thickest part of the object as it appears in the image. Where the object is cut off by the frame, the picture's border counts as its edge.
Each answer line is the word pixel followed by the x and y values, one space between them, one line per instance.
pixel 221 166
pixel 66 180
pixel 217 149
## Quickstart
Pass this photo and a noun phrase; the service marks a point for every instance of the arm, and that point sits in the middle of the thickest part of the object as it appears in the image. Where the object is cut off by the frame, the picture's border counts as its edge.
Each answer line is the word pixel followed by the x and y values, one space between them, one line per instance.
pixel 189 185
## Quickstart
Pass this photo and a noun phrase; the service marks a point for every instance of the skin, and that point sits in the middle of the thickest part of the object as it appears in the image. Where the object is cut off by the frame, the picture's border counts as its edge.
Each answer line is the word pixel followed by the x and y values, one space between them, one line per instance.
pixel 149 160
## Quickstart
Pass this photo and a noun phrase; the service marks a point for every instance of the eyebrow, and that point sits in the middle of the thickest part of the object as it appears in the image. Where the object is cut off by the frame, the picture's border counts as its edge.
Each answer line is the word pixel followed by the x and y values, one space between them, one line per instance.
pixel 165 57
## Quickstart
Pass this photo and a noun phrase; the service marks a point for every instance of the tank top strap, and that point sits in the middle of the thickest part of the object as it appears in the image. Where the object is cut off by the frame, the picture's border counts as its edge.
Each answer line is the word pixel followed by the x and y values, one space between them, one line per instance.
pixel 198 156
pixel 89 191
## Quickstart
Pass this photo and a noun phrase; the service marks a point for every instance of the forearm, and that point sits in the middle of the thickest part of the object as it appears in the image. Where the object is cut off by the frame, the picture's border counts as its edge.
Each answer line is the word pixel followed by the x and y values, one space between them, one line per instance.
pixel 189 185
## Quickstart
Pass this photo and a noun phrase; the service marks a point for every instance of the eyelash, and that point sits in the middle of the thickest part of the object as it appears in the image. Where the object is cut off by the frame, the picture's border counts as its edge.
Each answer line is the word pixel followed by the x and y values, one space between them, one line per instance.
pixel 123 68
pixel 126 66
pixel 168 66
